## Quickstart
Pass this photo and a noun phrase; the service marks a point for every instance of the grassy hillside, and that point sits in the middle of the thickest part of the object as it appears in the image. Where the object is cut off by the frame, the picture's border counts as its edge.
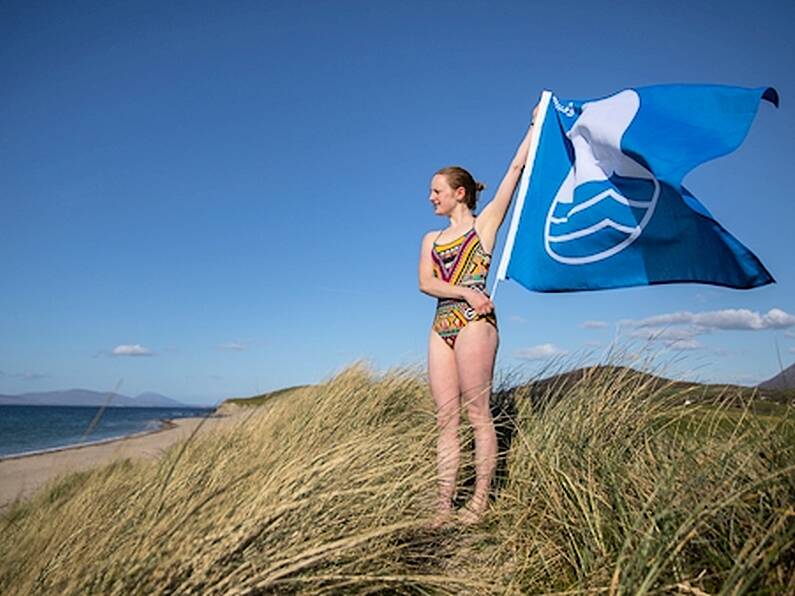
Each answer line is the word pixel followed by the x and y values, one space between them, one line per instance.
pixel 259 400
pixel 737 396
pixel 607 483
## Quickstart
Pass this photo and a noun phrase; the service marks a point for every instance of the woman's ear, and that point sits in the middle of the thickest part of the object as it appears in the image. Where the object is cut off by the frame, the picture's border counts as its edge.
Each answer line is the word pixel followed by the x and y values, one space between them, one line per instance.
pixel 460 194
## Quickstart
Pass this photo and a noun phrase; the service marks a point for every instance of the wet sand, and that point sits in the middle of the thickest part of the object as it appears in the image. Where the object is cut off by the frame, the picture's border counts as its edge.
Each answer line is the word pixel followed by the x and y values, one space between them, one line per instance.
pixel 20 477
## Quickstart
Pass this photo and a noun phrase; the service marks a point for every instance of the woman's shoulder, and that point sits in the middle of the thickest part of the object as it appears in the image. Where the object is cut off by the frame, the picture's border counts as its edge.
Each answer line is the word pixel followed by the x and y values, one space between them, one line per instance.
pixel 431 235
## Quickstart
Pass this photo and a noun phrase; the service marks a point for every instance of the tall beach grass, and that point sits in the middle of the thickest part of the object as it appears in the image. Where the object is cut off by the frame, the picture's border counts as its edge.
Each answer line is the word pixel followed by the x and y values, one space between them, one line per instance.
pixel 607 483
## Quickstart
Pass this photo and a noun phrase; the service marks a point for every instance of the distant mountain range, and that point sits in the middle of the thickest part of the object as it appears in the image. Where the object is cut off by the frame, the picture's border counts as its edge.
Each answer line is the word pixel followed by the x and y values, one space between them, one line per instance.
pixel 783 380
pixel 86 397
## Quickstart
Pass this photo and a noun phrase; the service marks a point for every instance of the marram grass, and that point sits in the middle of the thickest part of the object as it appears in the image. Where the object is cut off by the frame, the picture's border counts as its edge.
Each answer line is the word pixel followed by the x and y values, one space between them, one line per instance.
pixel 607 485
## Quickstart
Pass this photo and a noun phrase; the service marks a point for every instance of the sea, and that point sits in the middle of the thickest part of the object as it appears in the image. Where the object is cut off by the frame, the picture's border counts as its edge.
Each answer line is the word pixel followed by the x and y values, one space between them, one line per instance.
pixel 25 430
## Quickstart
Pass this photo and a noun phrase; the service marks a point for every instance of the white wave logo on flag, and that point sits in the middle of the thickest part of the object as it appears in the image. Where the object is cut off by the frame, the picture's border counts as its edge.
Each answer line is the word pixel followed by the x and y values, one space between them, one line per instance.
pixel 607 198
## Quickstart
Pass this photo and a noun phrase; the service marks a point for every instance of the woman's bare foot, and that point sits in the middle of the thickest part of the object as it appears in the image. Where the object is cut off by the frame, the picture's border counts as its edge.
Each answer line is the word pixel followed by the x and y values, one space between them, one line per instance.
pixel 472 512
pixel 441 519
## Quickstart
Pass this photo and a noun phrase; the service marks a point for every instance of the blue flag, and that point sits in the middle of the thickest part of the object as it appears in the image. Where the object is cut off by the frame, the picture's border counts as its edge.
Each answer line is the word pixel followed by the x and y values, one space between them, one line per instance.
pixel 601 203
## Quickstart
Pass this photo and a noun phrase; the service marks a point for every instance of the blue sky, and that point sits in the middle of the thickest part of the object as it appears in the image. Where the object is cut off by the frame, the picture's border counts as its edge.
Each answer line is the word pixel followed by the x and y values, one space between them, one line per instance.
pixel 216 199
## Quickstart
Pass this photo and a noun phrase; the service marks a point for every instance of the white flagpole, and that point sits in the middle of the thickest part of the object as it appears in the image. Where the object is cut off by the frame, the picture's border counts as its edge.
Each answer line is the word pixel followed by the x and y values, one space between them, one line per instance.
pixel 535 135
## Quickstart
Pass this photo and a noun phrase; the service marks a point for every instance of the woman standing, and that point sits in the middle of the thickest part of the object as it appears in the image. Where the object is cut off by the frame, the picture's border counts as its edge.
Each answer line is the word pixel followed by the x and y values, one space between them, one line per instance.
pixel 454 263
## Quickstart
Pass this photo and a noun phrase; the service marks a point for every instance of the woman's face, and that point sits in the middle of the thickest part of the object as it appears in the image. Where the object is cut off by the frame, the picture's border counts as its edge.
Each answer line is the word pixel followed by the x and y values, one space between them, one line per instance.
pixel 443 197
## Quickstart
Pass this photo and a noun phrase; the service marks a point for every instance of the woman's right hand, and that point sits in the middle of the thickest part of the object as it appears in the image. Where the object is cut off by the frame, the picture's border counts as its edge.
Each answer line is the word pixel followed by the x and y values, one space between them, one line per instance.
pixel 479 302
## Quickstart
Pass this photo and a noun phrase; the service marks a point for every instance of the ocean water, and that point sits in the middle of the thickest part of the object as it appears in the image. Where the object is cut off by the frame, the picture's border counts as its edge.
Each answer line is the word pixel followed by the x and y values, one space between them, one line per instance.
pixel 25 429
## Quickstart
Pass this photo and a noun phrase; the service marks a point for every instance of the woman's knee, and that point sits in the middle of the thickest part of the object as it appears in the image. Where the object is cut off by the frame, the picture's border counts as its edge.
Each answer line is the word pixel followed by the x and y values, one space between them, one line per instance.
pixel 479 413
pixel 447 421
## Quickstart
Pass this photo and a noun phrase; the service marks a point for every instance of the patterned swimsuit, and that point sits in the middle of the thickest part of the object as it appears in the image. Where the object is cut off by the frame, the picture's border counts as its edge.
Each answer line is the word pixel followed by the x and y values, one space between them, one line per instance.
pixel 462 262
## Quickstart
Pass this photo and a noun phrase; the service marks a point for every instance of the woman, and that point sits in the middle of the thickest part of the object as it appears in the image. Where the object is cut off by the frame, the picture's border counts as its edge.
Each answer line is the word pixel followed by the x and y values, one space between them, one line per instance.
pixel 454 263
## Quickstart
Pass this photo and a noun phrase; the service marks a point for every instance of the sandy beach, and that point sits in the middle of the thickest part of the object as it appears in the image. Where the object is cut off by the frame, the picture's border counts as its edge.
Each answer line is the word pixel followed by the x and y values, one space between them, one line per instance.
pixel 20 477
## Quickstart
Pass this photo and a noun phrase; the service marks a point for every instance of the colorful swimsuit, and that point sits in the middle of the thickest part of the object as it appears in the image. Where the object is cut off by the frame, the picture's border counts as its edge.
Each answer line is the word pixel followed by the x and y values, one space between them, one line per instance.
pixel 462 262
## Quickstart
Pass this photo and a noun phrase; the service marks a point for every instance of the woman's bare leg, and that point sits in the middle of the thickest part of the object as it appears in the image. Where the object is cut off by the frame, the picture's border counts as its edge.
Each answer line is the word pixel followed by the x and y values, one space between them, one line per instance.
pixel 443 377
pixel 475 350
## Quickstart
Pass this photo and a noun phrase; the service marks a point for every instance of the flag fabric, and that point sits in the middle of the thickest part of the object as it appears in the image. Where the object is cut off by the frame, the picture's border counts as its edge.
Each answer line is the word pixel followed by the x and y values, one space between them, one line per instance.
pixel 601 202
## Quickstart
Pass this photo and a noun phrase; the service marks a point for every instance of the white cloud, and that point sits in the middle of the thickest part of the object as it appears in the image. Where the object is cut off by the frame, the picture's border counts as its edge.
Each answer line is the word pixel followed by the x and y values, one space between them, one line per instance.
pixel 730 318
pixel 681 337
pixel 790 334
pixel 517 319
pixel 540 352
pixel 594 325
pixel 778 319
pixel 792 350
pixel 593 344
pixel 668 333
pixel 131 350
pixel 678 330
pixel 232 346
pixel 685 344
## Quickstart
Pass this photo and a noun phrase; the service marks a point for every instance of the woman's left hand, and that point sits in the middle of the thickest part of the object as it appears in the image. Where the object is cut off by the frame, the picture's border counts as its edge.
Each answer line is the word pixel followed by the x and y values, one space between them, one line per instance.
pixel 479 302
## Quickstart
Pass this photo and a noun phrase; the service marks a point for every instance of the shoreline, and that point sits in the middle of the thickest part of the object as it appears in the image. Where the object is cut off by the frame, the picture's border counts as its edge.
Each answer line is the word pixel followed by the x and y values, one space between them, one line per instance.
pixel 22 475
pixel 165 424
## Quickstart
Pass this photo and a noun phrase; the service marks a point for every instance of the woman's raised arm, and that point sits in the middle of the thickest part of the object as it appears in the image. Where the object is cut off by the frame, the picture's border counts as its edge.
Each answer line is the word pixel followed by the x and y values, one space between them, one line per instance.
pixel 493 214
